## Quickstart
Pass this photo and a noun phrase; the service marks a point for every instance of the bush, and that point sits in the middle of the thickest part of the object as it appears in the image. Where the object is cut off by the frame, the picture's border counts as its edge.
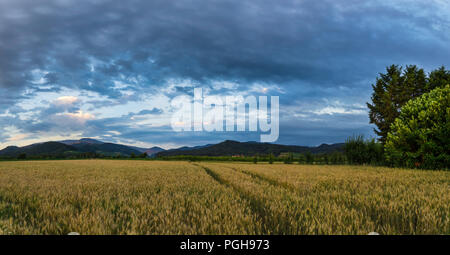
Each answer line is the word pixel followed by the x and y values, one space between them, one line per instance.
pixel 420 136
pixel 375 153
pixel 361 151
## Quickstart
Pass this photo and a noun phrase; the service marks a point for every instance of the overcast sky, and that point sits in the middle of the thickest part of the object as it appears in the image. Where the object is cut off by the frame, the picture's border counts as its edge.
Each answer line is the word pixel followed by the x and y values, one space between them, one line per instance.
pixel 108 69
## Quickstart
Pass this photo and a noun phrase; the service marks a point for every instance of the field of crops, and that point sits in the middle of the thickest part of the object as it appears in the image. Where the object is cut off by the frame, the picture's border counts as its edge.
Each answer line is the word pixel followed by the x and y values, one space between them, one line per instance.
pixel 160 197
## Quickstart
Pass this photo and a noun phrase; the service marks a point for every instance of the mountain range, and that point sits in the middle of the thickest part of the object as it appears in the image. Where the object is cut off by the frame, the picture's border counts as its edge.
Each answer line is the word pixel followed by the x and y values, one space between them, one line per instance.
pixel 226 148
pixel 232 148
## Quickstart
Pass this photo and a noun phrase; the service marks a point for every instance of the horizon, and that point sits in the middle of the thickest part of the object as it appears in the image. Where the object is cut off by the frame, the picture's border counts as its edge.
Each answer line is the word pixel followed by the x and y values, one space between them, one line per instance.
pixel 73 69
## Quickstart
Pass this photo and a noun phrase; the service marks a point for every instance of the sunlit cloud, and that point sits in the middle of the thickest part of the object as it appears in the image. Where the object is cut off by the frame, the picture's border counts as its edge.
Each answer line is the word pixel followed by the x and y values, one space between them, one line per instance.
pixel 80 116
pixel 17 137
pixel 66 100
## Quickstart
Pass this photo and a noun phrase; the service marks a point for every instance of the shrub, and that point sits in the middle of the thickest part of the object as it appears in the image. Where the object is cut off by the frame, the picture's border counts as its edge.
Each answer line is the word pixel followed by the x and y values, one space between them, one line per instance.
pixel 355 149
pixel 420 136
pixel 361 151
pixel 375 152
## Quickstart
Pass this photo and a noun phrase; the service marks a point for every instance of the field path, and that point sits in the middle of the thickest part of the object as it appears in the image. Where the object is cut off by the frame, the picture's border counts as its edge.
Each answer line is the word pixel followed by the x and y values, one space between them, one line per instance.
pixel 256 204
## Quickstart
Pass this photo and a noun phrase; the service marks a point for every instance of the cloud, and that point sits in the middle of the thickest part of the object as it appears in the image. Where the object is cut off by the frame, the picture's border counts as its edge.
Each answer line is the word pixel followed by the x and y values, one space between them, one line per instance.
pixel 309 41
pixel 309 53
pixel 17 137
pixel 79 116
pixel 66 100
pixel 338 110
pixel 152 111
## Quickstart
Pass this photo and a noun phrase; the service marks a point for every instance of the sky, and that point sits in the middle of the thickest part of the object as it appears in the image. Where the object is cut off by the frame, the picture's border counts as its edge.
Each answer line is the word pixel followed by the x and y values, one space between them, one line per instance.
pixel 109 69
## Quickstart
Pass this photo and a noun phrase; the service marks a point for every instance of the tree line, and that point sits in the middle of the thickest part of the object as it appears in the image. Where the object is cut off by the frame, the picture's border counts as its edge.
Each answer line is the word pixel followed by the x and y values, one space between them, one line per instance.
pixel 410 110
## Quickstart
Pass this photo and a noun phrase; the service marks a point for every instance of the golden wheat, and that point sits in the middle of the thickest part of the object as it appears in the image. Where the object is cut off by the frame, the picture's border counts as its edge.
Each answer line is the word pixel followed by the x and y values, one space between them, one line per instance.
pixel 158 197
pixel 353 199
pixel 117 197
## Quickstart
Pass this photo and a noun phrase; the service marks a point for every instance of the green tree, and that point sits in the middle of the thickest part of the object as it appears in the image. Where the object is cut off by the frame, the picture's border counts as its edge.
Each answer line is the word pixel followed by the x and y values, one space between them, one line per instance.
pixel 438 78
pixel 390 92
pixel 270 158
pixel 301 158
pixel 309 157
pixel 326 159
pixel 289 158
pixel 420 136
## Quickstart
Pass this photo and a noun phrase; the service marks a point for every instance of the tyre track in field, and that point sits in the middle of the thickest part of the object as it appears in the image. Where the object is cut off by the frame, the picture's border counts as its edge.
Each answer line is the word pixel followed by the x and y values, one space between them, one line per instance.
pixel 271 181
pixel 256 205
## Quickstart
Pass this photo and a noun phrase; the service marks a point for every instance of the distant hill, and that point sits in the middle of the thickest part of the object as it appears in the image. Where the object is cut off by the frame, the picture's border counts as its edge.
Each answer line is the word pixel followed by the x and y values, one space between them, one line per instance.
pixel 226 148
pixel 92 145
pixel 186 148
pixel 327 148
pixel 109 149
pixel 230 148
pixel 154 150
pixel 47 148
pixel 81 141
pixel 10 150
pixel 149 151
pixel 74 147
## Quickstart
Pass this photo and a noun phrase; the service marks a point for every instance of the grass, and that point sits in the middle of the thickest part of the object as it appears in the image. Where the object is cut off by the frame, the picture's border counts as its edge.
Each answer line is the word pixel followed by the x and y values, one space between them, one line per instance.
pixel 168 197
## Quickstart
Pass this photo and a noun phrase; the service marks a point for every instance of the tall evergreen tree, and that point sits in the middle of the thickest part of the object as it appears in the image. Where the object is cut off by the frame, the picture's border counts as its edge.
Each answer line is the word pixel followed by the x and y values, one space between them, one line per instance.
pixel 414 84
pixel 438 78
pixel 383 110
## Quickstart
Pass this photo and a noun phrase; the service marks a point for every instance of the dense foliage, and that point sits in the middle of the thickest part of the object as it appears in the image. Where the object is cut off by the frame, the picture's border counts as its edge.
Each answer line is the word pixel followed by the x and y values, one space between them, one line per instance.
pixel 361 151
pixel 420 136
pixel 396 87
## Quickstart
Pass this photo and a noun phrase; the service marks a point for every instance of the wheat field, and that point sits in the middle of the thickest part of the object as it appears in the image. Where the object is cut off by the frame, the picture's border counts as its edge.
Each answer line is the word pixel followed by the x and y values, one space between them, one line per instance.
pixel 162 197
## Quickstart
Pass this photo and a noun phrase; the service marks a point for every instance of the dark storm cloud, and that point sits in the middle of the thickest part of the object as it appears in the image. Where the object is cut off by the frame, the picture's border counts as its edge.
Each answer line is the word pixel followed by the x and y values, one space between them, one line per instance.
pixel 319 42
pixel 310 49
